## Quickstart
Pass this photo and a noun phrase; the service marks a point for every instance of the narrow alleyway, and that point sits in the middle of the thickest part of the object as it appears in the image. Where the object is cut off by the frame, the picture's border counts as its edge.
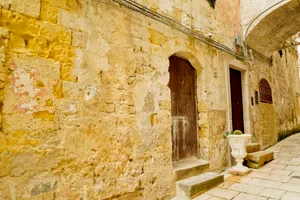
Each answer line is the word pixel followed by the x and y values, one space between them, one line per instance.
pixel 279 179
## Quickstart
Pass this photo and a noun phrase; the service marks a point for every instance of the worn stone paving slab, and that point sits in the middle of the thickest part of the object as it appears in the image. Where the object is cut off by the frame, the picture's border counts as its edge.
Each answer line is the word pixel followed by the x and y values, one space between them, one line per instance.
pixel 242 187
pixel 263 169
pixel 265 183
pixel 281 172
pixel 272 193
pixel 258 174
pixel 279 179
pixel 295 174
pixel 244 196
pixel 222 193
pixel 275 166
pixel 226 184
pixel 291 196
pixel 293 168
pixel 290 187
pixel 294 181
pixel 293 163
pixel 295 159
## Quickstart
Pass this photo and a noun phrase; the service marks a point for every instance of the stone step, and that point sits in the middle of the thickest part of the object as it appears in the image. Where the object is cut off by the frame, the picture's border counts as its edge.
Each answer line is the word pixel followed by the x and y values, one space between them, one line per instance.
pixel 189 167
pixel 258 159
pixel 253 147
pixel 196 185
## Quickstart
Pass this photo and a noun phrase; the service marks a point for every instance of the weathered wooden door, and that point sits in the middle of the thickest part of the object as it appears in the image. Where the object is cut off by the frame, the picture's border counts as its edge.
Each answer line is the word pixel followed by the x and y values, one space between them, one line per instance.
pixel 236 100
pixel 183 99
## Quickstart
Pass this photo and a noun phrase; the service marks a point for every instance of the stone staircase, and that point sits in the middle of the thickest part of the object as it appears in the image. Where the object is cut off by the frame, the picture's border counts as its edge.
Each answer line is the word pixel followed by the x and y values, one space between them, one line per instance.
pixel 256 158
pixel 193 178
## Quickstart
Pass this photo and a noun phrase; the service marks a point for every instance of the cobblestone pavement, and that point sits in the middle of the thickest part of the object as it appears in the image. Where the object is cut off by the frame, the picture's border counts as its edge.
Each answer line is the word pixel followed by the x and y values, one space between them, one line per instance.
pixel 279 179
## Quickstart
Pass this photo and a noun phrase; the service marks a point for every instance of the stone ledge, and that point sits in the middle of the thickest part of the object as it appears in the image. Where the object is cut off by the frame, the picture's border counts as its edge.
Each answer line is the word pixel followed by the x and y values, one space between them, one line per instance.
pixel 253 147
pixel 194 186
pixel 189 167
pixel 258 159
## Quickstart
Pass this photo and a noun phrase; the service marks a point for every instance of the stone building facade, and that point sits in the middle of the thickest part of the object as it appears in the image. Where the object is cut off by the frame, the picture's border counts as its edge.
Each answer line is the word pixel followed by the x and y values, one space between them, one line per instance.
pixel 86 103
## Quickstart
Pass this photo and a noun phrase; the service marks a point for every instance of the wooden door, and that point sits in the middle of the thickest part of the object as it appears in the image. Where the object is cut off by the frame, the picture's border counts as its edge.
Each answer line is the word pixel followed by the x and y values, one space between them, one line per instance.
pixel 236 100
pixel 183 100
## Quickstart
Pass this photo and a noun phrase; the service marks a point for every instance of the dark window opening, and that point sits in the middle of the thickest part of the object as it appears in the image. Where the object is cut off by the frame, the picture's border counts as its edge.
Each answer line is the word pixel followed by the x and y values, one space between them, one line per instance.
pixel 265 91
pixel 280 53
pixel 212 3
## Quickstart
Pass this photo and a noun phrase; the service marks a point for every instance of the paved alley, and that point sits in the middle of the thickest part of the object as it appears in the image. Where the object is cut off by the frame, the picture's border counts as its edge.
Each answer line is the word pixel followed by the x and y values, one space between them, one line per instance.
pixel 279 179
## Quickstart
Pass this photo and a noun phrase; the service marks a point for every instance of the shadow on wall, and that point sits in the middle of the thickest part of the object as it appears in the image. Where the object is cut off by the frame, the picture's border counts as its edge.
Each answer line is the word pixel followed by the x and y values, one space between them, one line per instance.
pixel 282 134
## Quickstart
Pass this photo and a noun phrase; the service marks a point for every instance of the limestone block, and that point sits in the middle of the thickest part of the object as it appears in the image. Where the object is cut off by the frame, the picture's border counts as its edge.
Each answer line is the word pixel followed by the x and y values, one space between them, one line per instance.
pixel 19 24
pixel 17 44
pixel 79 39
pixel 253 147
pixel 259 158
pixel 97 62
pixel 2 56
pixel 67 19
pixel 97 44
pixel 4 33
pixel 157 38
pixel 165 6
pixel 30 8
pixel 72 5
pixel 49 12
pixel 38 46
pixel 70 90
pixel 55 33
pixel 5 3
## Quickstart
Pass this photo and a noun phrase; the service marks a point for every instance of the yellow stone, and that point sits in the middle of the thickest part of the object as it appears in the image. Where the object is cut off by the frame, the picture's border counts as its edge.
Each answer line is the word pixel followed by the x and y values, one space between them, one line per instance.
pixel 72 5
pixel 55 33
pixel 45 114
pixel 157 38
pixel 62 53
pixel 154 119
pixel 24 26
pixel 39 84
pixel 49 102
pixel 57 90
pixel 48 12
pixel 16 44
pixel 38 46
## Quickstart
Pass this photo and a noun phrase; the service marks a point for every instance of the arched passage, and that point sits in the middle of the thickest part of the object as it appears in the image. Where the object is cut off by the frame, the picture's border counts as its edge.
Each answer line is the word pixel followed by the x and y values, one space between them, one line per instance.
pixel 275 28
pixel 184 112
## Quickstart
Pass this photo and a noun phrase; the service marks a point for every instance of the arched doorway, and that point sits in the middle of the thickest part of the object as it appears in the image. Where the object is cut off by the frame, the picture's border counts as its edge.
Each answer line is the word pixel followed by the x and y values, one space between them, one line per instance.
pixel 184 112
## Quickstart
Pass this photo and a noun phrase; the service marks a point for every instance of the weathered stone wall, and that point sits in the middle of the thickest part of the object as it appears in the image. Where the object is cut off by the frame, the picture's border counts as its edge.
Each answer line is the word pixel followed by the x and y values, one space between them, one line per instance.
pixel 283 114
pixel 86 106
pixel 85 102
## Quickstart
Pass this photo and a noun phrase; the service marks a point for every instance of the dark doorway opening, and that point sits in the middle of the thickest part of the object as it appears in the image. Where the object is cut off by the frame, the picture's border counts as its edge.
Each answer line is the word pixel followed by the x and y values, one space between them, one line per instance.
pixel 236 100
pixel 183 100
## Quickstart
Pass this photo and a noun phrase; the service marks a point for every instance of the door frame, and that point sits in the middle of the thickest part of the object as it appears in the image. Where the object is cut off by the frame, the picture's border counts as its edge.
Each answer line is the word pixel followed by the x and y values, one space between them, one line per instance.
pixel 237 65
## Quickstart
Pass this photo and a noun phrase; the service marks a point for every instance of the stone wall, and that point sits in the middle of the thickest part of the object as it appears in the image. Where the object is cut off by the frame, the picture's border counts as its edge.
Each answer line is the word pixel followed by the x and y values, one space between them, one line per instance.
pixel 85 106
pixel 283 115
